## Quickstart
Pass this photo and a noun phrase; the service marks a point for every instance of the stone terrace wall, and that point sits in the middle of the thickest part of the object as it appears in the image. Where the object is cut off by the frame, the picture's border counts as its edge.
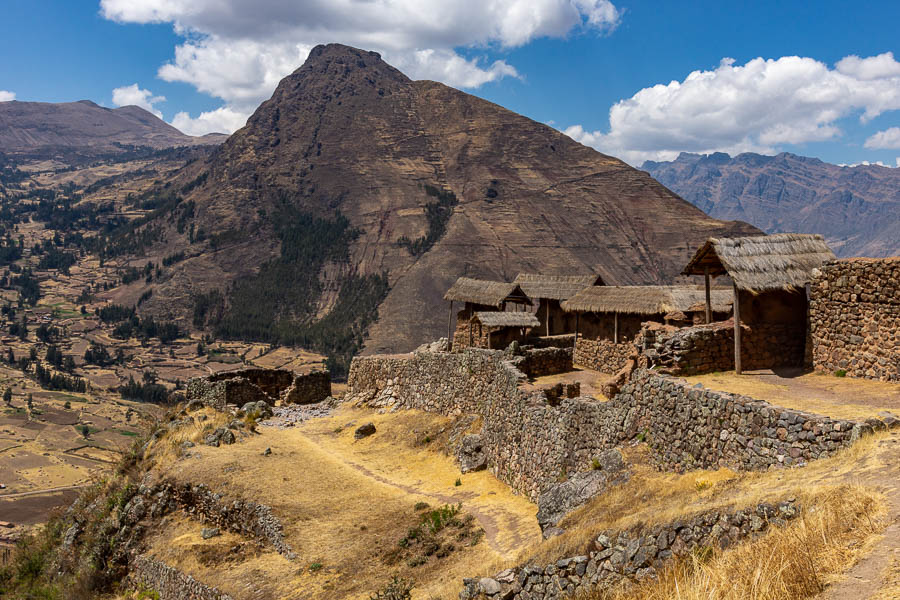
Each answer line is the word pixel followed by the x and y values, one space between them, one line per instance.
pixel 631 555
pixel 530 443
pixel 602 355
pixel 170 583
pixel 855 318
pixel 707 348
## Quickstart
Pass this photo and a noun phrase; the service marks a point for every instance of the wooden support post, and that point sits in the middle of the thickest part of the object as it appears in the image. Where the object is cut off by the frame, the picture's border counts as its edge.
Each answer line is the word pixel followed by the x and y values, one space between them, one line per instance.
pixel 616 328
pixel 450 328
pixel 575 343
pixel 737 330
pixel 708 300
pixel 547 316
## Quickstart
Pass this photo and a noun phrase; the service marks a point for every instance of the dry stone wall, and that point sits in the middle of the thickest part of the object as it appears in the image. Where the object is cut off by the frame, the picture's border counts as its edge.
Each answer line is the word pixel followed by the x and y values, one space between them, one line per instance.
pixel 708 348
pixel 530 442
pixel 168 582
pixel 615 557
pixel 255 385
pixel 308 389
pixel 855 318
pixel 539 362
pixel 605 356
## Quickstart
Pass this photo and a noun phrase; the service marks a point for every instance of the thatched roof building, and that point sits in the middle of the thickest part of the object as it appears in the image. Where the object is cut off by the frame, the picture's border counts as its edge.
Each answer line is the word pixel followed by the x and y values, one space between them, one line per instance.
pixel 486 293
pixel 506 319
pixel 782 261
pixel 555 287
pixel 645 299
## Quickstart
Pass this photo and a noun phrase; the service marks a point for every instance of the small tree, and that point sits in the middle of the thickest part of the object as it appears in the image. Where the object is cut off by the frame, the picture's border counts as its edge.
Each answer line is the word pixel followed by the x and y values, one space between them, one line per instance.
pixel 29 402
pixel 7 396
pixel 85 431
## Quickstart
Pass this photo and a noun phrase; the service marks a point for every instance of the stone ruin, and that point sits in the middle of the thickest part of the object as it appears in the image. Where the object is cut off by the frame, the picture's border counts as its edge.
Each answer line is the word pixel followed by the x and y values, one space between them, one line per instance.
pixel 259 385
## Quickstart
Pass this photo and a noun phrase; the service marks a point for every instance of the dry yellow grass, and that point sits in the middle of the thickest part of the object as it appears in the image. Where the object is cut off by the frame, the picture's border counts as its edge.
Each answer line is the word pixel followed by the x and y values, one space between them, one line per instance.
pixel 788 563
pixel 890 589
pixel 822 393
pixel 344 504
pixel 651 497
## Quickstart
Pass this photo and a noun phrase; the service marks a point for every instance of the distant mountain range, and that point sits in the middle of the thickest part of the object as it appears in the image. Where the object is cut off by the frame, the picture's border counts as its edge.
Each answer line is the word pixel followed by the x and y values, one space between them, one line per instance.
pixel 857 208
pixel 79 128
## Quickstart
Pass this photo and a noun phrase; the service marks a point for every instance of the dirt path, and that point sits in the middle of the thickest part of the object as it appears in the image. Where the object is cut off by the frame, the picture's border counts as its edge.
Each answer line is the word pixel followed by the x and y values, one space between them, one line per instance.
pixel 864 579
pixel 487 522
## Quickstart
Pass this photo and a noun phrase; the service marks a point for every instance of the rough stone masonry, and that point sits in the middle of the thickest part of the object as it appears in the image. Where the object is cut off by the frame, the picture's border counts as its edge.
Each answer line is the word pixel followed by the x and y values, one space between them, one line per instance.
pixel 854 314
pixel 530 442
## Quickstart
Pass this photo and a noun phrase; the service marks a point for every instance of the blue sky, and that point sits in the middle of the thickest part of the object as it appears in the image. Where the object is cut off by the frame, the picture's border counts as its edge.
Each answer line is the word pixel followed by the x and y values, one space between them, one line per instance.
pixel 563 62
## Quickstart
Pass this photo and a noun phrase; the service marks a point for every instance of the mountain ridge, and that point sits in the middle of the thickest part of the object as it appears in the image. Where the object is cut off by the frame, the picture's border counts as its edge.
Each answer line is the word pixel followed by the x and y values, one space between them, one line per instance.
pixel 48 127
pixel 347 134
pixel 856 208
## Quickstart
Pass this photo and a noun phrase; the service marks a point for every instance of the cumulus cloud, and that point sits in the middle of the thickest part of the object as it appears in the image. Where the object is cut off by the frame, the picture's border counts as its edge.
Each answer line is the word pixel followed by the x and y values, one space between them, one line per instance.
pixel 238 50
pixel 889 138
pixel 129 95
pixel 221 120
pixel 755 107
pixel 7 96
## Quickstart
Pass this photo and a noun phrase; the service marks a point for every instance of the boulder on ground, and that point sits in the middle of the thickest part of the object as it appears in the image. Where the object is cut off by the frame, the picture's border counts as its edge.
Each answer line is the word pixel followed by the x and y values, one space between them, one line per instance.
pixel 364 431
pixel 471 454
pixel 563 498
pixel 260 408
pixel 210 532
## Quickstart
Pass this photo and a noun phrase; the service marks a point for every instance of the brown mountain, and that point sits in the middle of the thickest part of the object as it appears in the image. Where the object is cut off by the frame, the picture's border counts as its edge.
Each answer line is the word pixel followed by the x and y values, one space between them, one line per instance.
pixel 856 208
pixel 45 127
pixel 349 136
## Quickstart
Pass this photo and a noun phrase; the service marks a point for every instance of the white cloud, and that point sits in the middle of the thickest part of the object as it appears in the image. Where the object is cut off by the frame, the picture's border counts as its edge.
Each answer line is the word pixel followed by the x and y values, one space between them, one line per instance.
pixel 754 107
pixel 889 138
pixel 129 95
pixel 221 120
pixel 238 50
pixel 7 96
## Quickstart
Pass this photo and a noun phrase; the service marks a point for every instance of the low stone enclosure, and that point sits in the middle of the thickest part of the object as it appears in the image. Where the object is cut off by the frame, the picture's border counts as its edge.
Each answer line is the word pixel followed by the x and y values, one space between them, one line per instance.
pixel 254 385
pixel 634 554
pixel 530 441
pixel 855 318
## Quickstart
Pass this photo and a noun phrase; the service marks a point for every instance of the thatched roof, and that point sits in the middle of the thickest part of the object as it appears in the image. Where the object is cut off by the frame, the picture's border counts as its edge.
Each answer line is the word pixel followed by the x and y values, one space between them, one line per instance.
pixel 507 319
pixel 645 299
pixel 486 293
pixel 782 261
pixel 555 287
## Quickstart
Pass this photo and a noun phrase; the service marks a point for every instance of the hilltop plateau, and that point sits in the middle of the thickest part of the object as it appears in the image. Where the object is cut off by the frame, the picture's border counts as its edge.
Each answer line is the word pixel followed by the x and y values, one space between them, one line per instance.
pixel 856 208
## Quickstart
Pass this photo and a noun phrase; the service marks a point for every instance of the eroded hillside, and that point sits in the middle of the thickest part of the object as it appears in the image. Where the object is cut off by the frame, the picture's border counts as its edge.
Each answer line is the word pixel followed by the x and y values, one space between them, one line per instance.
pixel 398 187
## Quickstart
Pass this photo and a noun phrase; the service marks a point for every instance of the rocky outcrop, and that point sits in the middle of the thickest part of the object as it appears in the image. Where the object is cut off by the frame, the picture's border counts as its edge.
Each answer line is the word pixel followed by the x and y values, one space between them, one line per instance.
pixel 561 499
pixel 615 557
pixel 470 453
pixel 854 315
